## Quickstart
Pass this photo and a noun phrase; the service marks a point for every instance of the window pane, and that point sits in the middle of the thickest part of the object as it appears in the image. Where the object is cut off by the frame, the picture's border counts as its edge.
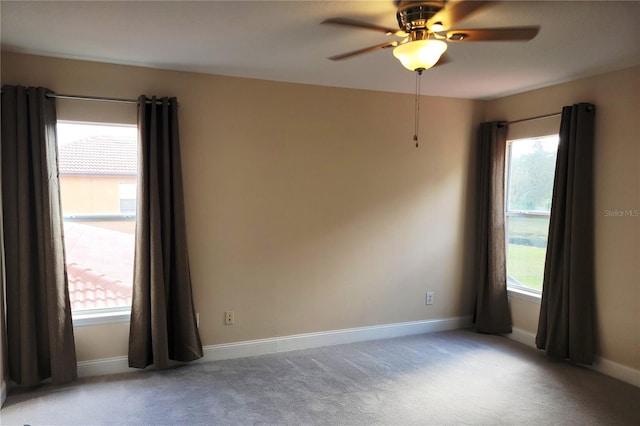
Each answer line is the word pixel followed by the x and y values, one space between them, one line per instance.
pixel 531 169
pixel 128 198
pixel 97 185
pixel 527 247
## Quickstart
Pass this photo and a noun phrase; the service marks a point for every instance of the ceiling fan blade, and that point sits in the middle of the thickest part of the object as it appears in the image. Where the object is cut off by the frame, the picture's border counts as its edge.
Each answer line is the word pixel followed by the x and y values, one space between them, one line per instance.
pixel 364 25
pixel 492 34
pixel 456 12
pixel 365 50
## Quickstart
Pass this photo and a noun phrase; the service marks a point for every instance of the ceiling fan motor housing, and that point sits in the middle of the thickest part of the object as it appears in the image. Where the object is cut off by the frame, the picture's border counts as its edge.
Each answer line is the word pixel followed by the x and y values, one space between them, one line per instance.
pixel 413 16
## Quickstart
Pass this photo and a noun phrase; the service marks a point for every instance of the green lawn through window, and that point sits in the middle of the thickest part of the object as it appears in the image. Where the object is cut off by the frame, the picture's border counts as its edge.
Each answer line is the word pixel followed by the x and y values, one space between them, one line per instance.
pixel 526 265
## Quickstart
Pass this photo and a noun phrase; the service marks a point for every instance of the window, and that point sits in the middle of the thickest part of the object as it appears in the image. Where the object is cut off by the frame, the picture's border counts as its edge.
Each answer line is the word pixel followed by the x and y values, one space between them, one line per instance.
pixel 127 199
pixel 530 172
pixel 98 168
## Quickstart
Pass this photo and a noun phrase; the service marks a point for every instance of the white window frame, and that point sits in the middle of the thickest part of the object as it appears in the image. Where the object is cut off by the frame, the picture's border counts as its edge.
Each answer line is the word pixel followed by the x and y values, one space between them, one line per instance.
pixel 514 287
pixel 88 317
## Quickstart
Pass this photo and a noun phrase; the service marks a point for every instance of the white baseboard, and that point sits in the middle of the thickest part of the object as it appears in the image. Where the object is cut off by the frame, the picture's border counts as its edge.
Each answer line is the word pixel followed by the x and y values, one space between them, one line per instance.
pixel 3 393
pixel 289 343
pixel 523 336
pixel 601 365
pixel 329 338
pixel 615 370
pixel 101 367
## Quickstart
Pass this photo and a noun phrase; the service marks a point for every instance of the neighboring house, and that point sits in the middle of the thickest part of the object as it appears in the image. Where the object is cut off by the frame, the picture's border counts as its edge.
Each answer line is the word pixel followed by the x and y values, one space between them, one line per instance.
pixel 97 176
pixel 97 181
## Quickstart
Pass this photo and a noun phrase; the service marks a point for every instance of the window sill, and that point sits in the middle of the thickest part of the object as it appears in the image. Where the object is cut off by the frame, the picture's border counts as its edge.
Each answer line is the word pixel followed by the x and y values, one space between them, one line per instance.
pixel 95 318
pixel 524 294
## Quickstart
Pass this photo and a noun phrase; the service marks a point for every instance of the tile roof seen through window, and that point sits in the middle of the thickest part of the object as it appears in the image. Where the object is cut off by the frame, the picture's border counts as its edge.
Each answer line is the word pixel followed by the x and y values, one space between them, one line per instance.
pixel 99 266
pixel 89 289
pixel 99 156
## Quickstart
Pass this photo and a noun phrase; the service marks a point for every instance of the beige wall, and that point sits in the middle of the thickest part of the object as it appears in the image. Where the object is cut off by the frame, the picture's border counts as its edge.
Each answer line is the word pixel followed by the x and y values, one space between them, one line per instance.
pixel 308 208
pixel 617 187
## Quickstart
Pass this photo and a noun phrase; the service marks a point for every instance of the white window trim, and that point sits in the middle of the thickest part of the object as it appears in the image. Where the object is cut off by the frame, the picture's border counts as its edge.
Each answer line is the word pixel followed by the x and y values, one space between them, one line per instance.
pixel 524 294
pixel 87 317
pixel 514 288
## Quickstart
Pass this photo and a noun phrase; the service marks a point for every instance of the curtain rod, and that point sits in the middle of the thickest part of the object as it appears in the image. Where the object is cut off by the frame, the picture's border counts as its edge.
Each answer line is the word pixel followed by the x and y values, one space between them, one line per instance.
pixel 91 98
pixel 538 117
pixel 96 98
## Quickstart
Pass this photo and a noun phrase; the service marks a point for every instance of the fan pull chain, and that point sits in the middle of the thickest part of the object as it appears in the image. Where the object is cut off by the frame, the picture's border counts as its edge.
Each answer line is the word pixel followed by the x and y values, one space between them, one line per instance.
pixel 417 106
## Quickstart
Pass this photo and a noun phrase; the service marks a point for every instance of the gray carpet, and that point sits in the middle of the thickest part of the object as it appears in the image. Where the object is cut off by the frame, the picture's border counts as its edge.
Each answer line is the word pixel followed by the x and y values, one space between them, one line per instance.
pixel 456 377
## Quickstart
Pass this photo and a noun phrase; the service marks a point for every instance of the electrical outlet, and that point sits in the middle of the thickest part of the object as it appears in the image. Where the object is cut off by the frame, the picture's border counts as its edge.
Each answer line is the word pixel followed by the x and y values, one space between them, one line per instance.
pixel 429 298
pixel 228 318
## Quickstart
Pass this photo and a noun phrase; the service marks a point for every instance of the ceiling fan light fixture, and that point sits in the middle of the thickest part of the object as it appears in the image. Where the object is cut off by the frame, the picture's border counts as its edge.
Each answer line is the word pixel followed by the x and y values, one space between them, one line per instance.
pixel 436 27
pixel 420 54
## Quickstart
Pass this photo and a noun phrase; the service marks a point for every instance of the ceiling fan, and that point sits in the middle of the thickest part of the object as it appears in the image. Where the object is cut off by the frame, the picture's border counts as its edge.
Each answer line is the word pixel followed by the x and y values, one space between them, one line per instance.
pixel 425 29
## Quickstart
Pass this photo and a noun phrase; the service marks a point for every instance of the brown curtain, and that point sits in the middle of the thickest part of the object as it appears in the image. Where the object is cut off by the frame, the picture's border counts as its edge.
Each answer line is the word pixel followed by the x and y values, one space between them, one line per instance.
pixel 163 323
pixel 39 327
pixel 492 313
pixel 566 324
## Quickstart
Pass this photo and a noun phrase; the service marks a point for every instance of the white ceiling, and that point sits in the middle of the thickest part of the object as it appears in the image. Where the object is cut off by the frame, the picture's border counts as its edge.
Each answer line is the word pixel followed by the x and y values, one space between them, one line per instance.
pixel 284 41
